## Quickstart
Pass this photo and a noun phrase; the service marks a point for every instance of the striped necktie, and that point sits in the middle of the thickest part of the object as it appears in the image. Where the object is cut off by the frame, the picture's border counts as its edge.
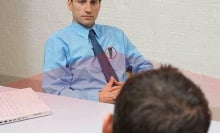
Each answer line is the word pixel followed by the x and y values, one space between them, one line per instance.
pixel 102 58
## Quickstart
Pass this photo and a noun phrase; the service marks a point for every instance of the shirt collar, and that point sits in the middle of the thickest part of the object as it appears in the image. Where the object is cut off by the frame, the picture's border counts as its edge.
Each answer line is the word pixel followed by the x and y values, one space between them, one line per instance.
pixel 97 30
pixel 83 31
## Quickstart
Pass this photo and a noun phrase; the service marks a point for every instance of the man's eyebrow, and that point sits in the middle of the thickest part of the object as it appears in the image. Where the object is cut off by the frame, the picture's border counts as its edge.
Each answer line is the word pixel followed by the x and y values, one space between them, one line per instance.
pixel 94 0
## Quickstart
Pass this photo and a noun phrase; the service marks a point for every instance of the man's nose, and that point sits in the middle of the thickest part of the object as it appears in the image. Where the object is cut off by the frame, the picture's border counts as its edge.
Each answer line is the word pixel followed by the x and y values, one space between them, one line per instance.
pixel 88 7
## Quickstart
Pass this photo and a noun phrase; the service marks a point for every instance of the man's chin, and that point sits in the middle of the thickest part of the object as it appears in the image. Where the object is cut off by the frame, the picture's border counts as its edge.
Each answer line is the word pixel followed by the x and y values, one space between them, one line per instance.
pixel 87 25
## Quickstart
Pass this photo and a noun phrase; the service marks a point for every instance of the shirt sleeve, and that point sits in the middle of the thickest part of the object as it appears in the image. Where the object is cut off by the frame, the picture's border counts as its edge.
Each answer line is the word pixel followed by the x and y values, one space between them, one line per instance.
pixel 57 77
pixel 134 59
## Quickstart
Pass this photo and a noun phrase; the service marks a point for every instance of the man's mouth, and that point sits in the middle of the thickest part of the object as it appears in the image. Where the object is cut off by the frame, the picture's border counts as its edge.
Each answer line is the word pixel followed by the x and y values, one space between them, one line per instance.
pixel 87 17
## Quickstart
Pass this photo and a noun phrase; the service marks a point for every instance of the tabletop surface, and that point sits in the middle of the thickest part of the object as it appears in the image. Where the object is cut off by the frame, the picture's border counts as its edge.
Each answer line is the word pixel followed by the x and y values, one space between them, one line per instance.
pixel 70 115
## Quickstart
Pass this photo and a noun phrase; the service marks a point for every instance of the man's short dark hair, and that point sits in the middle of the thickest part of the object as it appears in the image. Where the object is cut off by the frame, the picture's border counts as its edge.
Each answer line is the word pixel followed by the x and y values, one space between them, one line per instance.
pixel 161 101
pixel 99 0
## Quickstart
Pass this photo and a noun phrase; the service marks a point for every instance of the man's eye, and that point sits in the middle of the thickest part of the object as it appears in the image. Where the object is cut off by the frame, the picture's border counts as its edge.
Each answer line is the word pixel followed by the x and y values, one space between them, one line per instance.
pixel 93 2
pixel 81 1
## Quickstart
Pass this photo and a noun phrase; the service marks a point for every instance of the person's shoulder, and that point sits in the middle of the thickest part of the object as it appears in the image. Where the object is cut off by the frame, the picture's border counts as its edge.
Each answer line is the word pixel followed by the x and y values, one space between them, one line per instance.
pixel 61 32
pixel 109 28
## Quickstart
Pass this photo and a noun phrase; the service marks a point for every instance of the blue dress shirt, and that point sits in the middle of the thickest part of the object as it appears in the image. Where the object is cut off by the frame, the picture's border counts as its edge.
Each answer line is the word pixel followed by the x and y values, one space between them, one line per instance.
pixel 71 69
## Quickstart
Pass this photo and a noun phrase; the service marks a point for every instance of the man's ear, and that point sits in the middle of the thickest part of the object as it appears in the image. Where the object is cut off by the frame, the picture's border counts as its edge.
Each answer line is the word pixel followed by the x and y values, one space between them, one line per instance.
pixel 108 124
pixel 69 4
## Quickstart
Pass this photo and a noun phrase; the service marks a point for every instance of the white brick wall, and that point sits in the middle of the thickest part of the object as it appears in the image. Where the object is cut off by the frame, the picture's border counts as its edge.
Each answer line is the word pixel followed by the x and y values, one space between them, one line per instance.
pixel 185 33
pixel 24 28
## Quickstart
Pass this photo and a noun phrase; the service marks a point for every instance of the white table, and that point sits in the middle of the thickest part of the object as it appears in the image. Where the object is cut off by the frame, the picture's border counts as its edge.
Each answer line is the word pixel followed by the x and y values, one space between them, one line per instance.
pixel 70 115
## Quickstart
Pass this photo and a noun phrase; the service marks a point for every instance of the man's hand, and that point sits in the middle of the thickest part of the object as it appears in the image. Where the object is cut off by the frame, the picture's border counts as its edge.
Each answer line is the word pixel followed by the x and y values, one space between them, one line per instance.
pixel 110 91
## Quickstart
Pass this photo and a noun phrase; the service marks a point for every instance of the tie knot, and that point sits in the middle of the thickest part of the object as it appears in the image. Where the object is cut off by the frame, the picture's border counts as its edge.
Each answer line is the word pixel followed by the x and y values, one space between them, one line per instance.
pixel 92 33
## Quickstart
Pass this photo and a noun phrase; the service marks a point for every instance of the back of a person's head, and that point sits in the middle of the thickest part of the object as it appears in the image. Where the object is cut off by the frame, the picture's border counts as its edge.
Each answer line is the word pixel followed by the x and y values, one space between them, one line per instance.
pixel 161 101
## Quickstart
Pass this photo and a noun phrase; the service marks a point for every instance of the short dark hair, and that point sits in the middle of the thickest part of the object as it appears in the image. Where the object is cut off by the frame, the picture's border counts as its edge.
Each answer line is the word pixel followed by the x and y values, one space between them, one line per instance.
pixel 99 0
pixel 161 101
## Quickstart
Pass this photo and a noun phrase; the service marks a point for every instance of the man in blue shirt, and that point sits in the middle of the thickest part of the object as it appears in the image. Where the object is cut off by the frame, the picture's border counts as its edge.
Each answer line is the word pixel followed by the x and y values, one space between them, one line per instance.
pixel 72 69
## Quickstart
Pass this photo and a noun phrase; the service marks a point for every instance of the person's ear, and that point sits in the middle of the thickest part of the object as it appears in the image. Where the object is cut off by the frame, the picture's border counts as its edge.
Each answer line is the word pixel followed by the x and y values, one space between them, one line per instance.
pixel 69 4
pixel 108 124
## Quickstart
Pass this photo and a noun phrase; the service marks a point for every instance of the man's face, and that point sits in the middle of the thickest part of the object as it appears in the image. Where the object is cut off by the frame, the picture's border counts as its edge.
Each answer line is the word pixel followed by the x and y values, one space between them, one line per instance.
pixel 84 12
